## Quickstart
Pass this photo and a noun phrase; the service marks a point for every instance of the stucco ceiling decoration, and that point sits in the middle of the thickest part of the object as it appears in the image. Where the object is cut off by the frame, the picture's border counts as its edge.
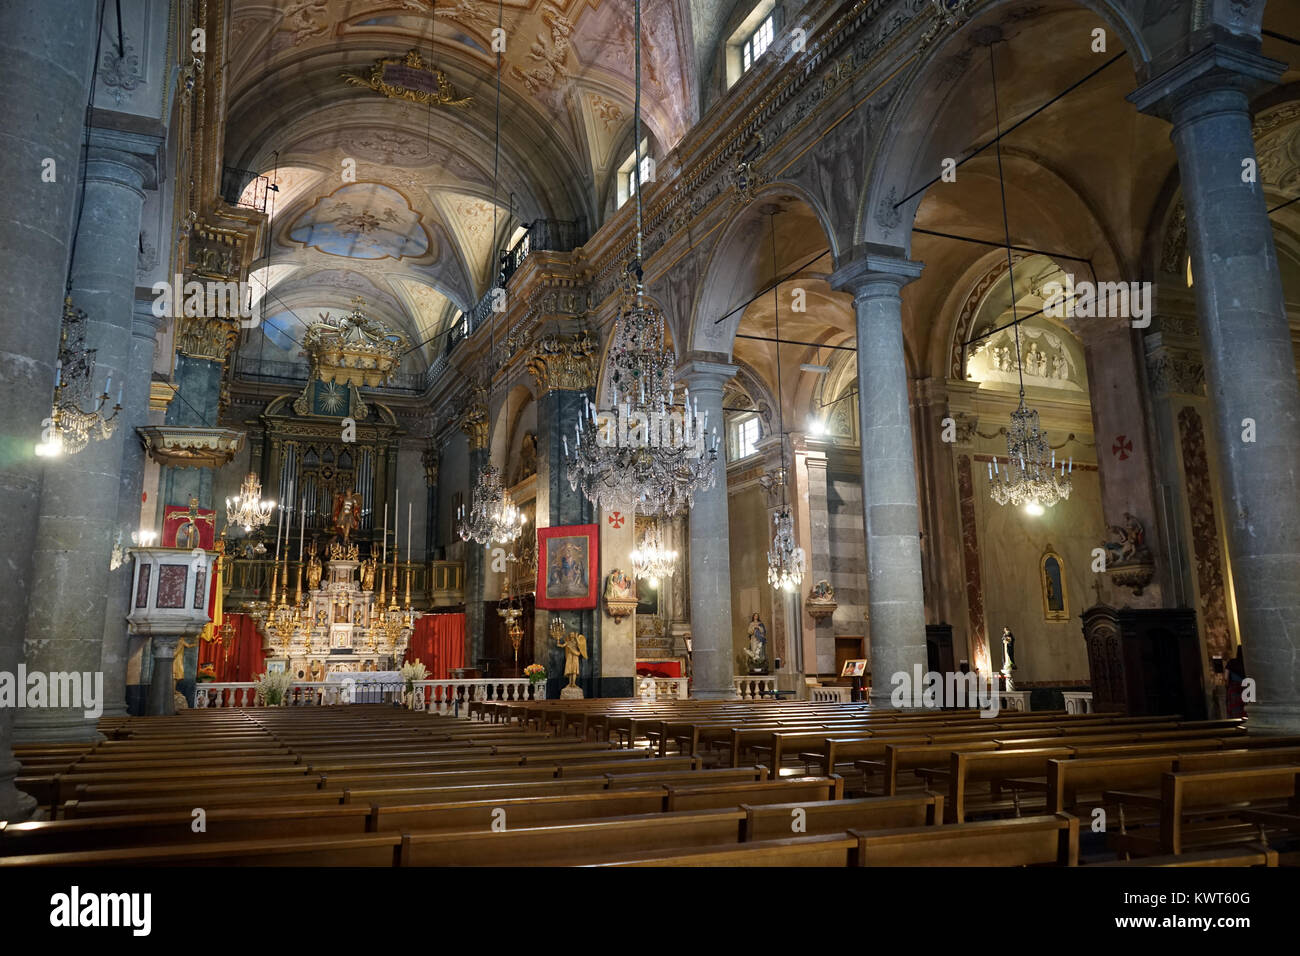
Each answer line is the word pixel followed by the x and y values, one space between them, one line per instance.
pixel 409 77
pixel 554 48
pixel 470 221
pixel 429 310
pixel 604 119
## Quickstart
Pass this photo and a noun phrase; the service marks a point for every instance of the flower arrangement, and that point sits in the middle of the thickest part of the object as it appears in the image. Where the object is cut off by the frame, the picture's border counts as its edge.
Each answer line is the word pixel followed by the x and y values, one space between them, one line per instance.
pixel 413 671
pixel 273 687
pixel 535 673
pixel 207 672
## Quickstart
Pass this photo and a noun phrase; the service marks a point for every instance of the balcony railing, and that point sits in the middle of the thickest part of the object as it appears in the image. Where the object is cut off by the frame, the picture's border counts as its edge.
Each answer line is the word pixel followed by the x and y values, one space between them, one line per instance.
pixel 544 235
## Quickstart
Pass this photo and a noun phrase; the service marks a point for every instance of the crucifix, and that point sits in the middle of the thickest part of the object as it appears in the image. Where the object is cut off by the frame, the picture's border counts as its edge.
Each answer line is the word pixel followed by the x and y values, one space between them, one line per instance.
pixel 1096 586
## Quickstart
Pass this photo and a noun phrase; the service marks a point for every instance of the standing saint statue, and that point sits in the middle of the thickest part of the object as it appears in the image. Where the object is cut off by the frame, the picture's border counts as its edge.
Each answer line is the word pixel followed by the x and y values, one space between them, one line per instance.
pixel 347 514
pixel 575 648
pixel 1008 652
pixel 178 662
pixel 757 650
pixel 313 568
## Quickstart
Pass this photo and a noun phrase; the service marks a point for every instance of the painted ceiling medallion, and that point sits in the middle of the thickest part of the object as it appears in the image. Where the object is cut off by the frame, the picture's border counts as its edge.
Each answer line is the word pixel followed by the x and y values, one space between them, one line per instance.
pixel 408 77
pixel 362 221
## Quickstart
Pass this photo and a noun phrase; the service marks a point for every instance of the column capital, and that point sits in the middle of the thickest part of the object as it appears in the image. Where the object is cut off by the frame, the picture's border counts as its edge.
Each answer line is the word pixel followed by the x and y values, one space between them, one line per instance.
pixel 704 375
pixel 120 157
pixel 1216 67
pixel 871 265
pixel 144 324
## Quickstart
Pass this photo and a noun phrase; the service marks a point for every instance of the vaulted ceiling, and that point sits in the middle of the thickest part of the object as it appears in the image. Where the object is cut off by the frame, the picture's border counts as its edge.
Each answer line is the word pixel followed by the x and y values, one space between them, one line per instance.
pixel 397 201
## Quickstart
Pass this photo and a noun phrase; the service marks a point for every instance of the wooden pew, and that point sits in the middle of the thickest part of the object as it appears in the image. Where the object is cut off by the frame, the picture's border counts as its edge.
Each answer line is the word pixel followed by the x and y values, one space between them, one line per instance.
pixel 377 849
pixel 574 843
pixel 837 850
pixel 1207 793
pixel 1028 841
pixel 725 795
pixel 154 829
pixel 1250 854
pixel 514 812
pixel 990 767
pixel 777 820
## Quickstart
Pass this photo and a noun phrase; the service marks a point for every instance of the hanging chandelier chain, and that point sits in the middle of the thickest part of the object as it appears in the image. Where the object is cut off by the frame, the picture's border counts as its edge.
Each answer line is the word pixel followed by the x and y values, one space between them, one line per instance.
pixel 1006 222
pixel 641 452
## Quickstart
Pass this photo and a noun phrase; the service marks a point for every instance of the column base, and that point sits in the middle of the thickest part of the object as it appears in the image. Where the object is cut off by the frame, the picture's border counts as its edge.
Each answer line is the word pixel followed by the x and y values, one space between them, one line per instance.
pixel 55 727
pixel 18 807
pixel 728 694
pixel 1273 720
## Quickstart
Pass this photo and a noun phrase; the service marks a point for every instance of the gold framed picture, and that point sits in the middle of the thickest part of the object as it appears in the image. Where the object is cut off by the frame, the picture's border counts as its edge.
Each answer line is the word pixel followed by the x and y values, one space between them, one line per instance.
pixel 1051 573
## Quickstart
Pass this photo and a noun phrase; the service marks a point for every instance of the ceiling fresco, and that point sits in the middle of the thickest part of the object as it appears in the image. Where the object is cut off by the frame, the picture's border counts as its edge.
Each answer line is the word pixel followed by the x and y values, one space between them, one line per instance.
pixel 362 221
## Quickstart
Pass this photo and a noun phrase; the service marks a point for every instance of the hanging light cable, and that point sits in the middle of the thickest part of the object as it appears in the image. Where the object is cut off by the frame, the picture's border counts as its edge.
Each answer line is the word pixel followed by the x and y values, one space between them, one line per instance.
pixel 785 559
pixel 641 454
pixel 492 517
pixel 1030 477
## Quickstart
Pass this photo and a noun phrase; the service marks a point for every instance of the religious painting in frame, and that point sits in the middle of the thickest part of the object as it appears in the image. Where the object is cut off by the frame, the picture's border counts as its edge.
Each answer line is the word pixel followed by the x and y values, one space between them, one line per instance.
pixel 568 565
pixel 1051 573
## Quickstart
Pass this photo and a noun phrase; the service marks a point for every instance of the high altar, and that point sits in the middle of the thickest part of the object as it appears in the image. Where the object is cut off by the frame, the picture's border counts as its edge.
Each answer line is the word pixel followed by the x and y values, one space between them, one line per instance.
pixel 341 624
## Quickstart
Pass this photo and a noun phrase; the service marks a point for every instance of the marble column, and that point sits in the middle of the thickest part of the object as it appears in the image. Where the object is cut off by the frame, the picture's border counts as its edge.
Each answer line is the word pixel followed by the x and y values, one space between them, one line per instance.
pixel 889 498
pixel 1249 364
pixel 197 398
pixel 710 556
pixel 135 413
pixel 558 410
pixel 162 686
pixel 78 514
pixel 47 49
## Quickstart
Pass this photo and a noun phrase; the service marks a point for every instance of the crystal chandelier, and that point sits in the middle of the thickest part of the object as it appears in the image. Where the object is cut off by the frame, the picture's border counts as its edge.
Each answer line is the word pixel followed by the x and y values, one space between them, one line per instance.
pixel 642 451
pixel 69 427
pixel 785 558
pixel 1030 477
pixel 492 516
pixel 247 509
pixel 652 560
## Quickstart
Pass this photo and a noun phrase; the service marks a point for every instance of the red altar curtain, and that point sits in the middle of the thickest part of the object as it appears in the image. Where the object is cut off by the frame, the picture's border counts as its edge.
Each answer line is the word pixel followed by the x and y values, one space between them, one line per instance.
pixel 245 660
pixel 439 641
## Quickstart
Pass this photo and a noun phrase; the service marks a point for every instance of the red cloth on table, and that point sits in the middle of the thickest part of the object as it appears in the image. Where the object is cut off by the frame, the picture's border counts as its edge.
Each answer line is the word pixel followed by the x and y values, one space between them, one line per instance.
pixel 658 669
pixel 439 641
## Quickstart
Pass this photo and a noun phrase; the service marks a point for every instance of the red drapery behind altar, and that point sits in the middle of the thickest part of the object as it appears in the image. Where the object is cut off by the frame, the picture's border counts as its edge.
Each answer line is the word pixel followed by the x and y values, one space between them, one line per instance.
pixel 439 641
pixel 240 658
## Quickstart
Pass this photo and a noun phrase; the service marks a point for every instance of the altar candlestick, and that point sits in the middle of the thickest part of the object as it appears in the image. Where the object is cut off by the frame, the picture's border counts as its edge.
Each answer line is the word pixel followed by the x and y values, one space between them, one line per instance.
pixel 383 545
pixel 275 565
pixel 302 515
pixel 410 505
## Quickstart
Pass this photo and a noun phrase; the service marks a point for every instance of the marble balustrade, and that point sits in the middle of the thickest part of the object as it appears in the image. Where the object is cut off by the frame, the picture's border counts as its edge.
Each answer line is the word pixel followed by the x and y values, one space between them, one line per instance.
pixel 434 696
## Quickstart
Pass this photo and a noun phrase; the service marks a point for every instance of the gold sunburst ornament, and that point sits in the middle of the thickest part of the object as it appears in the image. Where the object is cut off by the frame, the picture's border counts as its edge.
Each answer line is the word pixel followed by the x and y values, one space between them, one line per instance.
pixel 409 77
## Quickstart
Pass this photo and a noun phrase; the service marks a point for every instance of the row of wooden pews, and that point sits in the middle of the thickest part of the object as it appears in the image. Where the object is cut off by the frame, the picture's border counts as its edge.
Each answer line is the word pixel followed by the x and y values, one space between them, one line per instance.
pixel 626 782
pixel 1168 787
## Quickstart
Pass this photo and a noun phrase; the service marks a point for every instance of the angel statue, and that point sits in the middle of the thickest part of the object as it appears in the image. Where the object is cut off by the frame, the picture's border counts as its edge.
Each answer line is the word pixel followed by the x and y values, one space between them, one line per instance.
pixel 575 647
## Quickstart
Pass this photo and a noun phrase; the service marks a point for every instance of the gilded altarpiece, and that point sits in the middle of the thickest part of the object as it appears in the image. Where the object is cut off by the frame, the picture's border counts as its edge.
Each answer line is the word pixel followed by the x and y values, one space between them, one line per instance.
pixel 321 455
